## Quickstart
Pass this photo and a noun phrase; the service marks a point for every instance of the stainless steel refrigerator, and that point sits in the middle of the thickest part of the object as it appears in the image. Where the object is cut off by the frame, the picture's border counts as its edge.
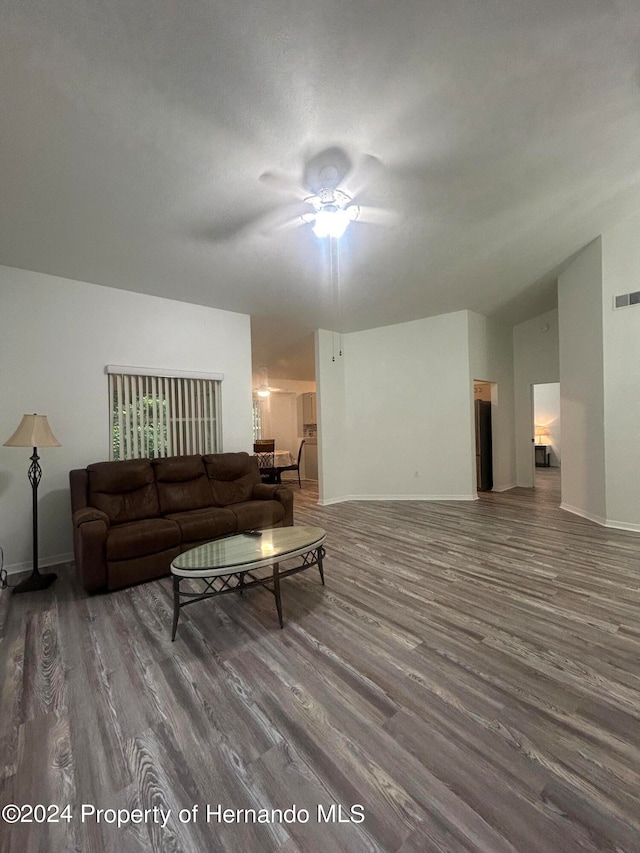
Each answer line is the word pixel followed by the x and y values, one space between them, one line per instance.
pixel 484 454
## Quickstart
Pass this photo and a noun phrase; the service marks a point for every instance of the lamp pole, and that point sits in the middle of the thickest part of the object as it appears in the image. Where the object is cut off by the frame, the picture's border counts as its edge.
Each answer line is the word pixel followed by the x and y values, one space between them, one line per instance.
pixel 35 475
pixel 35 580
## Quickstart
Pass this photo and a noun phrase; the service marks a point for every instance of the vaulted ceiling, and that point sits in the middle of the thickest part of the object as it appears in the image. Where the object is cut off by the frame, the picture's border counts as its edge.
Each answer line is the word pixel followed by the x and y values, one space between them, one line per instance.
pixel 134 134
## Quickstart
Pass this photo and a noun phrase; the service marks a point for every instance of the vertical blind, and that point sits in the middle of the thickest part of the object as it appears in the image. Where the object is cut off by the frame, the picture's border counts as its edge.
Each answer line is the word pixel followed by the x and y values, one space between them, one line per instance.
pixel 153 415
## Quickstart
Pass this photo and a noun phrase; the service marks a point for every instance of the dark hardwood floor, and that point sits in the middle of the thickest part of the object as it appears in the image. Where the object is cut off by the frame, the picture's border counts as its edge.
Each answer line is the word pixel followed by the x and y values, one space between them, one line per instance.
pixel 470 675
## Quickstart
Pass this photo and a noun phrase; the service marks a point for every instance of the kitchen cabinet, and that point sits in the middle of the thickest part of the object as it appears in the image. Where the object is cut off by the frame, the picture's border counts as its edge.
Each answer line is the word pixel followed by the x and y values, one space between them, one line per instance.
pixel 311 459
pixel 309 414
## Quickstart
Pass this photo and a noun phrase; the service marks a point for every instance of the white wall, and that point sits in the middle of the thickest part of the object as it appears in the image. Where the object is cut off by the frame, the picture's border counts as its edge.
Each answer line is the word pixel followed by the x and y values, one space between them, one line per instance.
pixel 535 360
pixel 408 410
pixel 279 420
pixel 546 413
pixel 621 331
pixel 396 410
pixel 333 461
pixel 491 359
pixel 582 384
pixel 56 336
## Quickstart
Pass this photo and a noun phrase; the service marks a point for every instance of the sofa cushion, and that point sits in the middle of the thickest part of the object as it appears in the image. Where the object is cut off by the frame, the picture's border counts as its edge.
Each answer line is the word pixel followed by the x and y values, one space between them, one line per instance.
pixel 182 483
pixel 204 524
pixel 250 514
pixel 140 538
pixel 125 491
pixel 232 477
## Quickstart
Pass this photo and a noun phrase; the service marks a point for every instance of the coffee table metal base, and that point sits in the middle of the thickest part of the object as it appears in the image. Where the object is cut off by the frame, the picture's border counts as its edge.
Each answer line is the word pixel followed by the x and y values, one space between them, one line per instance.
pixel 236 582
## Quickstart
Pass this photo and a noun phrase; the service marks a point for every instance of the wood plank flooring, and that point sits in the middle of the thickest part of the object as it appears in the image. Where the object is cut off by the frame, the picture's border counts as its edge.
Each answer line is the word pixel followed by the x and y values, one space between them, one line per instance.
pixel 470 675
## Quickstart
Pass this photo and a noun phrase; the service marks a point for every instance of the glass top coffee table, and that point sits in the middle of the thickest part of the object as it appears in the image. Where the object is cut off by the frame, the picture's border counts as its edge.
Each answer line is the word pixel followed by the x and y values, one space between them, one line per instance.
pixel 223 565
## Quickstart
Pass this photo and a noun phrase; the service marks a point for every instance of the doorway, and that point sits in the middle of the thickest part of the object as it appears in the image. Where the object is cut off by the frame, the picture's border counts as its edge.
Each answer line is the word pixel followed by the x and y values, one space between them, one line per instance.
pixel 484 402
pixel 546 431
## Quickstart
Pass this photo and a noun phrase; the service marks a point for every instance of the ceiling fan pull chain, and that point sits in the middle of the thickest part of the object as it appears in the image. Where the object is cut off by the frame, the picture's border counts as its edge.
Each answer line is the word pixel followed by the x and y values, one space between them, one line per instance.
pixel 339 287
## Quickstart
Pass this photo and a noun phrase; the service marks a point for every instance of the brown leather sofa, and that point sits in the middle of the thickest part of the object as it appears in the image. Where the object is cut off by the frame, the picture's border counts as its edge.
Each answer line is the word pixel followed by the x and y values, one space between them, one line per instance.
pixel 131 518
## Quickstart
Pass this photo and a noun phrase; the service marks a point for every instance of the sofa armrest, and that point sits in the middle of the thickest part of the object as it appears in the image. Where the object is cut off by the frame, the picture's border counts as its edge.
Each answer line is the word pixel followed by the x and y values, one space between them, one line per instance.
pixel 89 513
pixel 264 491
pixel 90 530
pixel 277 492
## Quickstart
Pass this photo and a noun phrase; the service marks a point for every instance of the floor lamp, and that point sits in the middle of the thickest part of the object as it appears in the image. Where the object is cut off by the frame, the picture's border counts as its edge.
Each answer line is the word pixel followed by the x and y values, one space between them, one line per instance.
pixel 34 431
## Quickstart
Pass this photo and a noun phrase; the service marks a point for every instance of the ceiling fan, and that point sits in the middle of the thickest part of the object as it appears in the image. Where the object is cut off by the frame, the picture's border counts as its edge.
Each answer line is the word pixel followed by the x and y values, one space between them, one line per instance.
pixel 264 389
pixel 328 192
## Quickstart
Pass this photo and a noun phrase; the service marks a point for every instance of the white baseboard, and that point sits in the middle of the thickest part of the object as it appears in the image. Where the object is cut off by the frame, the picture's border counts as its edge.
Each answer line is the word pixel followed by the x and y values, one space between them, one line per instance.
pixel 55 560
pixel 598 519
pixel 504 488
pixel 346 498
pixel 603 522
pixel 623 525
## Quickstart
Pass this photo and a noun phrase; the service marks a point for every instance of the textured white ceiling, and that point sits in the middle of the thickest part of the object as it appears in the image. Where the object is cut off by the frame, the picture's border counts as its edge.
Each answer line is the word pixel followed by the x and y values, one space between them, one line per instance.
pixel 133 135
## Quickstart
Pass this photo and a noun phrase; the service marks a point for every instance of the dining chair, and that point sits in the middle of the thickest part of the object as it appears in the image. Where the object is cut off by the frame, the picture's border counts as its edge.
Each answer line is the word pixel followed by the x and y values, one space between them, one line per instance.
pixel 295 467
pixel 264 449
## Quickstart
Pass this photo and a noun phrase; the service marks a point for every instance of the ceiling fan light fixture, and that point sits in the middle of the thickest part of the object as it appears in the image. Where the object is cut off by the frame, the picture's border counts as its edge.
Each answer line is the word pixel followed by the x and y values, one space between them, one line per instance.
pixel 331 207
pixel 353 212
pixel 331 221
pixel 263 389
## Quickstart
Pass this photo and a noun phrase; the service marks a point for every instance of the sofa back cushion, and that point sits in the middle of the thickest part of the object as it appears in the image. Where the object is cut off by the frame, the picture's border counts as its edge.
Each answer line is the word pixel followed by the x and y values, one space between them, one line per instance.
pixel 79 487
pixel 232 477
pixel 182 483
pixel 125 491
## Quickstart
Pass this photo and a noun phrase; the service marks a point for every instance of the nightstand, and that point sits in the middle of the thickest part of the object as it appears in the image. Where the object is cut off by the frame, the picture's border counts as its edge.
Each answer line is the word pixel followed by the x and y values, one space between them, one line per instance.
pixel 542 455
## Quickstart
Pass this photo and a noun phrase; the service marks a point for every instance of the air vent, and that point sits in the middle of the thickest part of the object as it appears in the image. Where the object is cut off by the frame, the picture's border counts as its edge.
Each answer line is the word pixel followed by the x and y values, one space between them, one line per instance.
pixel 626 299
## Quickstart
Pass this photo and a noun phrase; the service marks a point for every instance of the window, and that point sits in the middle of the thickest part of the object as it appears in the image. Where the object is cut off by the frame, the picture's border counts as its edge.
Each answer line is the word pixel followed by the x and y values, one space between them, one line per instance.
pixel 257 420
pixel 158 413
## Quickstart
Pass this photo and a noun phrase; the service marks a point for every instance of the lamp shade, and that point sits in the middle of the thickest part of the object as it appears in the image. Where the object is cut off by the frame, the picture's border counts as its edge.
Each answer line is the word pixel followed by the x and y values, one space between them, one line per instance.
pixel 34 431
pixel 541 432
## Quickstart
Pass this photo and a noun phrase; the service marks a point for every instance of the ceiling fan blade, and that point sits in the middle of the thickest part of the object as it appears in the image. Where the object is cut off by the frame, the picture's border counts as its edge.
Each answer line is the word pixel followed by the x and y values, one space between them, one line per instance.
pixel 242 226
pixel 230 228
pixel 363 174
pixel 283 182
pixel 375 215
pixel 289 216
pixel 290 224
